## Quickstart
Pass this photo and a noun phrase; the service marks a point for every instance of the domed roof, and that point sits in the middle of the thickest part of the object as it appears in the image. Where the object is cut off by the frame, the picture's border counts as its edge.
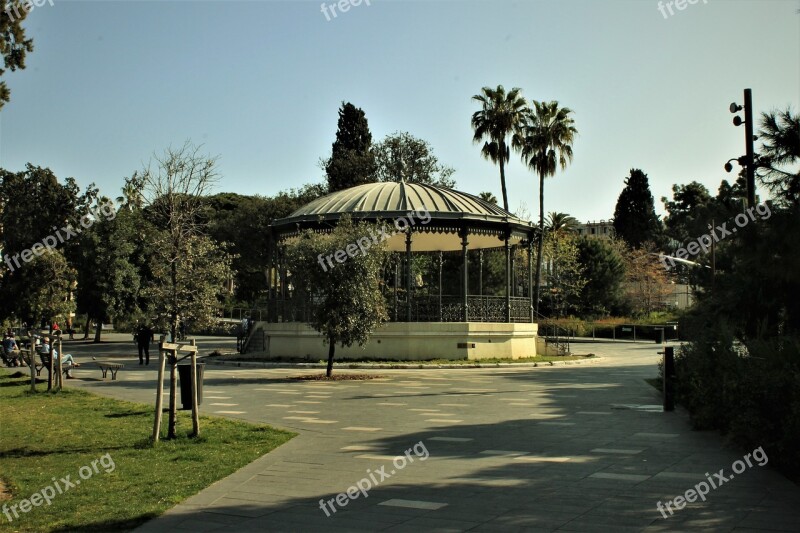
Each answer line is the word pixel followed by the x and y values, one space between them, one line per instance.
pixel 388 198
pixel 450 211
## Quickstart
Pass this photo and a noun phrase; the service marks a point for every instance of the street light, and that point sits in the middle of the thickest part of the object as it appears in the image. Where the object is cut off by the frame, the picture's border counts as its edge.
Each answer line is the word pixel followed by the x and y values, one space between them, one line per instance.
pixel 749 157
pixel 742 160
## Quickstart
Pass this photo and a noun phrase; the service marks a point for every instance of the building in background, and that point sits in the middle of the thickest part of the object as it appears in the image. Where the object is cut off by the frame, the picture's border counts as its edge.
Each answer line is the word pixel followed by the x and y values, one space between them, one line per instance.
pixel 603 229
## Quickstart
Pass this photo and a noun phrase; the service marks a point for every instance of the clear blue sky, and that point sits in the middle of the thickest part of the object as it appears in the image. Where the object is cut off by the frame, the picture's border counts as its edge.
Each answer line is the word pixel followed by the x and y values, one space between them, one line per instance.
pixel 259 84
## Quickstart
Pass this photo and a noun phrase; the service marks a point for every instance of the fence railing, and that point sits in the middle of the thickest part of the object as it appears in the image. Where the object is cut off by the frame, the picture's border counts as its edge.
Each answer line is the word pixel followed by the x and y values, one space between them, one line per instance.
pixel 239 313
pixel 424 308
pixel 599 330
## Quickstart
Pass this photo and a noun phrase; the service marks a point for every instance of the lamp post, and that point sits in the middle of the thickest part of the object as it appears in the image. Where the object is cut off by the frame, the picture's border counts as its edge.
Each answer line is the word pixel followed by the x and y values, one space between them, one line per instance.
pixel 747 160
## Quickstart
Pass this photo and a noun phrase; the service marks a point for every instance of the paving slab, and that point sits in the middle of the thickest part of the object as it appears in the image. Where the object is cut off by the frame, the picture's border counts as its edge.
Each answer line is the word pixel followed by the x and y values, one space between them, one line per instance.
pixel 570 448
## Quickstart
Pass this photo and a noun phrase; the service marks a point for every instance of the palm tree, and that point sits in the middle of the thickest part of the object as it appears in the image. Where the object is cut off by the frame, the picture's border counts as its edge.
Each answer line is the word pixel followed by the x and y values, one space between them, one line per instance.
pixel 502 115
pixel 561 223
pixel 546 145
pixel 131 198
pixel 488 197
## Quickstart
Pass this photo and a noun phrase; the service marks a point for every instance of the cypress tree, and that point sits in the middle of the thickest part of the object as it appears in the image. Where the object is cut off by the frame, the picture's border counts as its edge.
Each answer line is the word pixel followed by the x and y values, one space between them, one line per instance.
pixel 352 161
pixel 635 219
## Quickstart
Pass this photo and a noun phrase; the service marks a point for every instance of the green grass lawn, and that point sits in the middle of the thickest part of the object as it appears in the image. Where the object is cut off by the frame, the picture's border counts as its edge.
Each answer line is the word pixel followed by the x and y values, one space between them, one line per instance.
pixel 45 436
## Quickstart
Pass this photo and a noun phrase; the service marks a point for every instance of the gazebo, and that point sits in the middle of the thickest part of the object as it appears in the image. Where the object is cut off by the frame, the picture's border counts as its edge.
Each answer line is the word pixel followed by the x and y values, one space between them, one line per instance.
pixel 437 222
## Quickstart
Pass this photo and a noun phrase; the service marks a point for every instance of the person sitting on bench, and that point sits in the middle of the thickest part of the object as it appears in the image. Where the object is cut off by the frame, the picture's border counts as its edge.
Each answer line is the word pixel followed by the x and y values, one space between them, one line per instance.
pixel 10 351
pixel 67 363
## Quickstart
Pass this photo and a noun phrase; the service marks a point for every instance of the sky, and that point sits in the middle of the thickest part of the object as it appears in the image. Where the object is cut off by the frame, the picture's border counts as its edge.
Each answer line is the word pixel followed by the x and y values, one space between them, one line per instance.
pixel 258 84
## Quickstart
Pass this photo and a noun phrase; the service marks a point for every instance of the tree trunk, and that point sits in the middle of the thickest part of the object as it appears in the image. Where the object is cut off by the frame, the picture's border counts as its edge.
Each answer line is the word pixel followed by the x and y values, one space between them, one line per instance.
pixel 503 180
pixel 539 244
pixel 98 331
pixel 87 327
pixel 331 349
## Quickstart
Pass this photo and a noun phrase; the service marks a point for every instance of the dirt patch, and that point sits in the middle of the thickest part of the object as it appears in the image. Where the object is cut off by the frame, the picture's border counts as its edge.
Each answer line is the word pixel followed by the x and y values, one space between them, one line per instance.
pixel 5 494
pixel 338 377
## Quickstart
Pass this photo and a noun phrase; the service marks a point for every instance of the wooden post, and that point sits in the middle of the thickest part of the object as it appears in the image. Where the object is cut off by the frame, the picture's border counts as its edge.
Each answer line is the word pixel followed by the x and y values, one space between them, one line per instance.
pixel 173 383
pixel 30 361
pixel 195 408
pixel 159 392
pixel 51 367
pixel 60 366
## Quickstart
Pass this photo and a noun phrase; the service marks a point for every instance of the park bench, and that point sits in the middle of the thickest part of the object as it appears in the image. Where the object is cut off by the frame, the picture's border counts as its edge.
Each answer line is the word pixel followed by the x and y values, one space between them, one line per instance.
pixel 105 366
pixel 44 359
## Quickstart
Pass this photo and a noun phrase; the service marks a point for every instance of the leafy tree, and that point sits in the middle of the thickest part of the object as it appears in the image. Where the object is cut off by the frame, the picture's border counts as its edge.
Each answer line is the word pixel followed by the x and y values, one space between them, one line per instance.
pixel 188 271
pixel 604 270
pixel 740 371
pixel 403 157
pixel 191 292
pixel 345 302
pixel 646 280
pixel 13 44
pixel 688 213
pixel 546 145
pixel 108 279
pixel 563 275
pixel 187 268
pixel 33 204
pixel 42 289
pixel 635 219
pixel 240 221
pixel 780 149
pixel 501 116
pixel 352 160
pixel 731 199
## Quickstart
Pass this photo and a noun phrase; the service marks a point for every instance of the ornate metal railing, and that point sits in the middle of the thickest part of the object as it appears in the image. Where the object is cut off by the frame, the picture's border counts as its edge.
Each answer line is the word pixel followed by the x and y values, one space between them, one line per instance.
pixel 424 308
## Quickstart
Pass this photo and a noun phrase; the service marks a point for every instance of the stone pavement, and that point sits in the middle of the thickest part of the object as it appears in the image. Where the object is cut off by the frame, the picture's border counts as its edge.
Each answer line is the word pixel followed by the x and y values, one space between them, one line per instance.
pixel 569 448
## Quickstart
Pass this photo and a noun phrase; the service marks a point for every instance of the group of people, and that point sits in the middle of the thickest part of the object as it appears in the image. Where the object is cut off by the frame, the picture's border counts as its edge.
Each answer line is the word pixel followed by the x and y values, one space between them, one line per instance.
pixel 12 356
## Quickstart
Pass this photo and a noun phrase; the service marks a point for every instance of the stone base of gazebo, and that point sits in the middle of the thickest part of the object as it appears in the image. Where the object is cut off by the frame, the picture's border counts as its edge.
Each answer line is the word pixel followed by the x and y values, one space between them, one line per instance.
pixel 401 341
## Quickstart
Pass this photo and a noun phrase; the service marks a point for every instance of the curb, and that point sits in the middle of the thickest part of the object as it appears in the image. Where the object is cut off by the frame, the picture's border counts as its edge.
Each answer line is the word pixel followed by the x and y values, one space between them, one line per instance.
pixel 398 366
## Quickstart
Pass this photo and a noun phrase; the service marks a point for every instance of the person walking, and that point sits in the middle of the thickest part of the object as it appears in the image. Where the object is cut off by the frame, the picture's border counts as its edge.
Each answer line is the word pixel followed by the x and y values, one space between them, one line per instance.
pixel 144 336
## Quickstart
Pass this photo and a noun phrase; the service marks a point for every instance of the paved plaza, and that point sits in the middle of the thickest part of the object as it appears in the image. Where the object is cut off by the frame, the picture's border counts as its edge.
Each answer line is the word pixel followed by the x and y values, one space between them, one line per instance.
pixel 571 448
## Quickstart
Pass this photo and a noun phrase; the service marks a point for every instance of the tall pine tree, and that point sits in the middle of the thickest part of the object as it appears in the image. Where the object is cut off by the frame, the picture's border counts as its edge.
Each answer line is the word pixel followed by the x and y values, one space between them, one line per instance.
pixel 635 219
pixel 352 161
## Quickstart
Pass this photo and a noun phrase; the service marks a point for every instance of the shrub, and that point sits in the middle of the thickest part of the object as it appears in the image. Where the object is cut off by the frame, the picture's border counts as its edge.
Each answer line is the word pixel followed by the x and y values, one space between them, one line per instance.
pixel 751 394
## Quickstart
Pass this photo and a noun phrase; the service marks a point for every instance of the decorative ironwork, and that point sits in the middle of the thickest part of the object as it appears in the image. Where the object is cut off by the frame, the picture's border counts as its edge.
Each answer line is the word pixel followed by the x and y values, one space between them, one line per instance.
pixel 424 308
